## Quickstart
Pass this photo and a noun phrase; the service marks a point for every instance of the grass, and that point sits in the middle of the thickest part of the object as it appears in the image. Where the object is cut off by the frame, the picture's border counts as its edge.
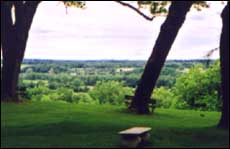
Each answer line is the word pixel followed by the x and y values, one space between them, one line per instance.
pixel 60 125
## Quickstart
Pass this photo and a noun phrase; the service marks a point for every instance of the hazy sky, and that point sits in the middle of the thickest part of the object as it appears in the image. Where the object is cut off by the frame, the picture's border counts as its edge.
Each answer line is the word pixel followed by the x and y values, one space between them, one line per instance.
pixel 107 30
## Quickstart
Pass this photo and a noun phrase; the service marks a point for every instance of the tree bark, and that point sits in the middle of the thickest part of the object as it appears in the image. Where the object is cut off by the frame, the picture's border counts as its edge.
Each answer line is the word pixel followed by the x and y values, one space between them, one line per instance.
pixel 14 37
pixel 224 63
pixel 169 29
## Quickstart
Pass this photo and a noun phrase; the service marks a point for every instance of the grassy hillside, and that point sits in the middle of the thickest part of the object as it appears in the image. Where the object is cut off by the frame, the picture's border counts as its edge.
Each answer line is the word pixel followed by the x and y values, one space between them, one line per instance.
pixel 44 124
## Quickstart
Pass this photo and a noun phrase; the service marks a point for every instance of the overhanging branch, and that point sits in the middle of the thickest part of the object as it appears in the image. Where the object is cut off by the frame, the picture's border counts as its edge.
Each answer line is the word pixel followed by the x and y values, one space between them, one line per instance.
pixel 136 10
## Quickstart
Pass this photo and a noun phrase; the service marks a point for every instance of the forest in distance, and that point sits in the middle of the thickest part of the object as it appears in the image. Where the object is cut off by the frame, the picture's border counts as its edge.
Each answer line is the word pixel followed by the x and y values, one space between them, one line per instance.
pixel 183 84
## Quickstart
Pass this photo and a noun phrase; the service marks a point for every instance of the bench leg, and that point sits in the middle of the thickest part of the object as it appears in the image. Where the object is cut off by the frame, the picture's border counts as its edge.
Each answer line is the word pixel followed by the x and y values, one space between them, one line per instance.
pixel 131 143
pixel 145 137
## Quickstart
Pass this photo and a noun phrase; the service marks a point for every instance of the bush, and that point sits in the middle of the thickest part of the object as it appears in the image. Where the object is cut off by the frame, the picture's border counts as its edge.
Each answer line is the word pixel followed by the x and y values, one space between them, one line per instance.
pixel 199 88
pixel 83 98
pixel 53 85
pixel 110 92
pixel 36 93
pixel 163 96
pixel 64 94
pixel 76 85
pixel 46 98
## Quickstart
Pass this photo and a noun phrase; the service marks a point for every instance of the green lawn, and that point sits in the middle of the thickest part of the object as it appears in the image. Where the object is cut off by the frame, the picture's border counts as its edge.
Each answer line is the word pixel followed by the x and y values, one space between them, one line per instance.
pixel 44 124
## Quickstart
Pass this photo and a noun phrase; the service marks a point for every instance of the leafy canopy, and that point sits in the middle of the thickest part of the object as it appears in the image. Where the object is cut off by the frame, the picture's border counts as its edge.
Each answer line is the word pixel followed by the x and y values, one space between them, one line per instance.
pixel 160 7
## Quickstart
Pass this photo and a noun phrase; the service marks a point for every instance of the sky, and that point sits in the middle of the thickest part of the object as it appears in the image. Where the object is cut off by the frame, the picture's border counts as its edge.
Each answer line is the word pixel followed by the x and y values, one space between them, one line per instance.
pixel 108 30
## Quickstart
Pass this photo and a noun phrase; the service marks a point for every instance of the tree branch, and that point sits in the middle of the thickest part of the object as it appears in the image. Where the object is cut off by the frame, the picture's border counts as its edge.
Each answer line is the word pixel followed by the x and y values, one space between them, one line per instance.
pixel 136 10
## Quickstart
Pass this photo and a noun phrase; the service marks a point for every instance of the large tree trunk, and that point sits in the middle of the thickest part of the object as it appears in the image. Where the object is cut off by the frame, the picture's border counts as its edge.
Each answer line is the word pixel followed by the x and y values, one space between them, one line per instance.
pixel 169 29
pixel 14 37
pixel 224 62
pixel 9 79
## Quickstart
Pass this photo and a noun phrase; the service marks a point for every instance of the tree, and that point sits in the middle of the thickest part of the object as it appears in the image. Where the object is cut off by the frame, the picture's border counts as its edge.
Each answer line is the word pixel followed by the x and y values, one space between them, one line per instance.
pixel 14 35
pixel 76 84
pixel 224 59
pixel 169 30
pixel 167 35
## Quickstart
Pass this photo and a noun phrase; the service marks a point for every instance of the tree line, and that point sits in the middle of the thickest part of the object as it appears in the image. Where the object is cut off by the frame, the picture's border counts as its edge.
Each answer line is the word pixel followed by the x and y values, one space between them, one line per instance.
pixel 181 85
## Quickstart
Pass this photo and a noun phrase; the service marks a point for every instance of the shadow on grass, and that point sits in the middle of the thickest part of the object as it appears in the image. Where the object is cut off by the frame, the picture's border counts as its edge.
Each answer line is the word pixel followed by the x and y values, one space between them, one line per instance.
pixel 89 135
pixel 203 137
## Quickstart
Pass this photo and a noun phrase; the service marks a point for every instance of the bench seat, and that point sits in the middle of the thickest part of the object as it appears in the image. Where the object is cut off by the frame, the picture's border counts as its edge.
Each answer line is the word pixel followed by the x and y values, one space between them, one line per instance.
pixel 135 131
pixel 132 137
pixel 151 102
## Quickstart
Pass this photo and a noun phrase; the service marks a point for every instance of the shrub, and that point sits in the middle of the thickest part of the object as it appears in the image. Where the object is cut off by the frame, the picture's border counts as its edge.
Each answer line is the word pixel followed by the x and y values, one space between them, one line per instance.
pixel 199 88
pixel 36 93
pixel 64 94
pixel 163 96
pixel 83 98
pixel 110 92
pixel 46 98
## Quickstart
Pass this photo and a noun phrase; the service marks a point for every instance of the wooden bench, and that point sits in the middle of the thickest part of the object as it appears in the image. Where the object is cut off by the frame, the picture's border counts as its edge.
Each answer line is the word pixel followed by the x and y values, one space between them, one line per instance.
pixel 151 102
pixel 134 136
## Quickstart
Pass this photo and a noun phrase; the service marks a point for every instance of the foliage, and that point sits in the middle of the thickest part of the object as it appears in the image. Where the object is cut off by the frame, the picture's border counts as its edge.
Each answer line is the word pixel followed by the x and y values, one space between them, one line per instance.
pixel 163 96
pixel 110 92
pixel 131 80
pixel 78 85
pixel 64 94
pixel 199 88
pixel 161 7
pixel 166 81
pixel 83 98
pixel 78 4
pixel 198 5
pixel 77 79
pixel 37 93
pixel 42 93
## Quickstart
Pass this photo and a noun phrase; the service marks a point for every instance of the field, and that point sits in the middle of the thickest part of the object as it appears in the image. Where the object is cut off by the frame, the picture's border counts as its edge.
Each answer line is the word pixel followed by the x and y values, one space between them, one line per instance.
pixel 56 125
